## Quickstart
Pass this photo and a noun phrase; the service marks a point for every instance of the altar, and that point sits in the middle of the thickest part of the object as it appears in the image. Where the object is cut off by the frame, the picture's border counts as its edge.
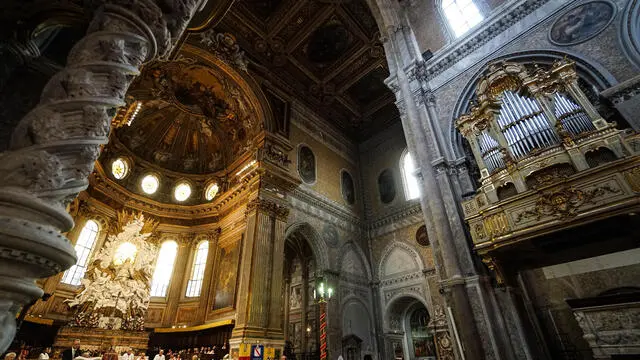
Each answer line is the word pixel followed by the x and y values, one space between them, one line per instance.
pixel 109 312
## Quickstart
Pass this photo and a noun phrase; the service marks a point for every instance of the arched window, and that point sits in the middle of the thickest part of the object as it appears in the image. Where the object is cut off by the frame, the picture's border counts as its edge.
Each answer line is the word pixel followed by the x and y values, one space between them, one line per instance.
pixel 164 268
pixel 84 246
pixel 462 15
pixel 409 176
pixel 197 273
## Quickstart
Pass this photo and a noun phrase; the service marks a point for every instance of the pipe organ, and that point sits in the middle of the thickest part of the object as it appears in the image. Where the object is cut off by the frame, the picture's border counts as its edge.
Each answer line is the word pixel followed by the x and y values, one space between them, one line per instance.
pixel 535 135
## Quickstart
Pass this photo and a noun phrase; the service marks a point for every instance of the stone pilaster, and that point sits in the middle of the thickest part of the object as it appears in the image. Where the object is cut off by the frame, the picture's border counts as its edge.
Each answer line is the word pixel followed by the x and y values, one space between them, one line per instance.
pixel 180 273
pixel 54 146
pixel 261 275
pixel 207 289
pixel 442 220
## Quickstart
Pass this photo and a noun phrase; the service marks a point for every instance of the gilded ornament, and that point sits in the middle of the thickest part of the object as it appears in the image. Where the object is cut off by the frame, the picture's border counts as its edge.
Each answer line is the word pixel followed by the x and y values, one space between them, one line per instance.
pixel 633 178
pixel 496 225
pixel 564 203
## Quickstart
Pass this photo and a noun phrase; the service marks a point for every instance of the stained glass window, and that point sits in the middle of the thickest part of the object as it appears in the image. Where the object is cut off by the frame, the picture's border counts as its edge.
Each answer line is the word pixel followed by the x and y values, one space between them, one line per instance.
pixel 194 287
pixel 84 247
pixel 462 15
pixel 164 268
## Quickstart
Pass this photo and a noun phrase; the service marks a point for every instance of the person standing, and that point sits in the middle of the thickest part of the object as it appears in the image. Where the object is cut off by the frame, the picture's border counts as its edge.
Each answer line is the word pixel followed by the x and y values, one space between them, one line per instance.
pixel 159 355
pixel 44 355
pixel 70 354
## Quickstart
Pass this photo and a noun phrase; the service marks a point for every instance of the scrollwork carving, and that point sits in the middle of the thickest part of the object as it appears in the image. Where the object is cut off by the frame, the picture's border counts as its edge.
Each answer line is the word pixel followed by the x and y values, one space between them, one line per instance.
pixel 564 203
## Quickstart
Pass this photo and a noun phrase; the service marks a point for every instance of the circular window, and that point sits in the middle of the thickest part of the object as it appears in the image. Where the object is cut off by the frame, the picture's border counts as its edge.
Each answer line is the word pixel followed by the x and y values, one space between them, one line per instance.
pixel 120 168
pixel 150 184
pixel 211 192
pixel 182 192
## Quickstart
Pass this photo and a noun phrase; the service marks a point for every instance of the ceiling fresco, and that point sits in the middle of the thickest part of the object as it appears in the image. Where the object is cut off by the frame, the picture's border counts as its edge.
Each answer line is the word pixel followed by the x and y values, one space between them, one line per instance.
pixel 326 54
pixel 193 118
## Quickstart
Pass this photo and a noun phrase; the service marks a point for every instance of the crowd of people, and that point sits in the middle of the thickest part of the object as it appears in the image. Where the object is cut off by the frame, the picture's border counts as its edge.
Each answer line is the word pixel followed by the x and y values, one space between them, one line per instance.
pixel 76 353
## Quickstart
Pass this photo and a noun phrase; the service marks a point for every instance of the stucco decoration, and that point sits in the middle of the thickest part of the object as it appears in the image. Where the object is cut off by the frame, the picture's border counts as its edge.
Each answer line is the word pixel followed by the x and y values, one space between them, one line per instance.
pixel 399 259
pixel 582 23
pixel 116 287
pixel 54 147
pixel 352 264
pixel 330 235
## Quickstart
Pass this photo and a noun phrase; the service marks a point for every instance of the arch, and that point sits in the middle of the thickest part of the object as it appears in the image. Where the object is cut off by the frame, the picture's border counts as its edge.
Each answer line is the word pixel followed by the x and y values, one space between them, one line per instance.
pixel 629 32
pixel 589 70
pixel 352 248
pixel 317 245
pixel 398 306
pixel 351 312
pixel 399 248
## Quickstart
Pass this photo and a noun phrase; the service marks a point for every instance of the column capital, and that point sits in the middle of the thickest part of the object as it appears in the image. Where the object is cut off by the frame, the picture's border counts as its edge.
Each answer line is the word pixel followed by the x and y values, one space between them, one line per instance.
pixel 279 211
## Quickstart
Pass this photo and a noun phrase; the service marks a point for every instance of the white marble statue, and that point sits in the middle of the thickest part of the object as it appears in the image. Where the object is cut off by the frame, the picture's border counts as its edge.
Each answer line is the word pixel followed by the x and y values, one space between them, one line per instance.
pixel 117 284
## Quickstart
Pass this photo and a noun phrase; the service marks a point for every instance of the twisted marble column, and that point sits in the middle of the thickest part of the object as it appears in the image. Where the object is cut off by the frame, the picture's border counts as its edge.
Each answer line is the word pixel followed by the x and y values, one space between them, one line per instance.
pixel 53 148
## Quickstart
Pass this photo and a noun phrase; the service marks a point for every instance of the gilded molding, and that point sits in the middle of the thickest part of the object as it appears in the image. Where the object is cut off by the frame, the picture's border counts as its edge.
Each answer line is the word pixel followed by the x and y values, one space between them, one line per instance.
pixel 633 178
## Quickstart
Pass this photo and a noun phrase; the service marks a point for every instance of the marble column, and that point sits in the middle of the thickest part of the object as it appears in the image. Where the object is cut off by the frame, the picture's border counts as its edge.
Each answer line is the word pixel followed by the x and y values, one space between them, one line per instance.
pixel 54 147
pixel 261 275
pixel 479 325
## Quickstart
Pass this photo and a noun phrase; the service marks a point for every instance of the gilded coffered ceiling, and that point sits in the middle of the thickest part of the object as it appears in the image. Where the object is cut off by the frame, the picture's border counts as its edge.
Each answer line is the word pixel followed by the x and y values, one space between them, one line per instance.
pixel 326 54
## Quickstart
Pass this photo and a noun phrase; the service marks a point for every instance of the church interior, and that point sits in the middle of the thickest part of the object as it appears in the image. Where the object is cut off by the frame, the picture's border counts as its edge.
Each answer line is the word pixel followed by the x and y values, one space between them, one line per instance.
pixel 320 179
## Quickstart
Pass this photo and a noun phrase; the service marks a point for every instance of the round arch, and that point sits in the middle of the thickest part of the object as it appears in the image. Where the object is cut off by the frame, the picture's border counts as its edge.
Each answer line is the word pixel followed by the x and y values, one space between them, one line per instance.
pixel 589 70
pixel 629 32
pixel 396 318
pixel 317 245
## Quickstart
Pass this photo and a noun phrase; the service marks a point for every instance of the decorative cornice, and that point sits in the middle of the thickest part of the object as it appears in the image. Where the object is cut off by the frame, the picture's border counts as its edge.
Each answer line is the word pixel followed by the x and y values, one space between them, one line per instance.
pixel 402 279
pixel 327 206
pixel 404 213
pixel 623 91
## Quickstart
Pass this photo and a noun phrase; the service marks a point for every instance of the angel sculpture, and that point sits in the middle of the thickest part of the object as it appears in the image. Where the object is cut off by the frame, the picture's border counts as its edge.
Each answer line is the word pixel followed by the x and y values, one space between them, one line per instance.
pixel 117 284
